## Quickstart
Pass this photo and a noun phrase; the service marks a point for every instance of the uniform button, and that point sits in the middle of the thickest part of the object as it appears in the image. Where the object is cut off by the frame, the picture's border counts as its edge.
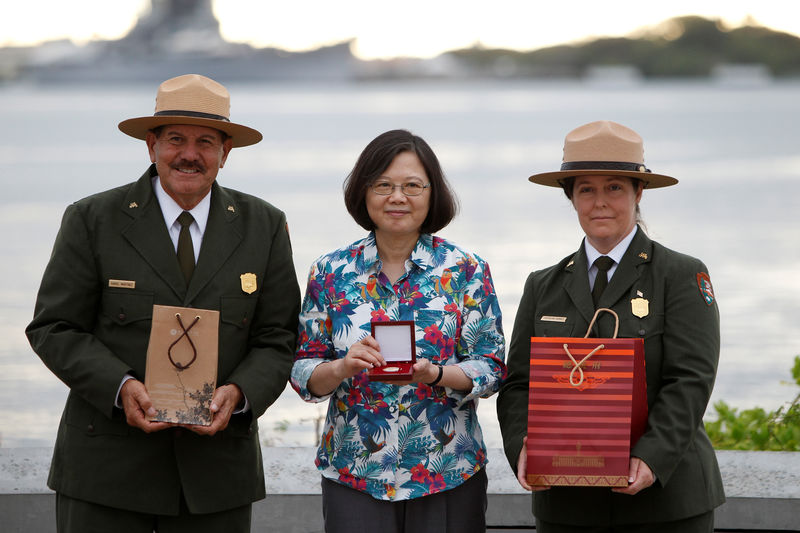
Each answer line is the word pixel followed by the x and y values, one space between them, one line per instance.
pixel 244 321
pixel 121 316
pixel 641 332
pixel 90 428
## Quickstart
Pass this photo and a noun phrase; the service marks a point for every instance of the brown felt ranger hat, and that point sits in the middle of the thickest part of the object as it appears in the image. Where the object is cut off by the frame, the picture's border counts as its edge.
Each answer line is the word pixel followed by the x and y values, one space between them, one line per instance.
pixel 606 148
pixel 195 100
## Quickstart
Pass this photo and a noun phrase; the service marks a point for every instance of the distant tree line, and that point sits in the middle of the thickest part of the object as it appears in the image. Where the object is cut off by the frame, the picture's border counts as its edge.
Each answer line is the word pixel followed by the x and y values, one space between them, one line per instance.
pixel 680 47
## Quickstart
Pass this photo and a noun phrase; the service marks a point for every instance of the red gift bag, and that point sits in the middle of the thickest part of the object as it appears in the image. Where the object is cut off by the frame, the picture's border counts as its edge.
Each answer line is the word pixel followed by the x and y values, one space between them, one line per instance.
pixel 587 406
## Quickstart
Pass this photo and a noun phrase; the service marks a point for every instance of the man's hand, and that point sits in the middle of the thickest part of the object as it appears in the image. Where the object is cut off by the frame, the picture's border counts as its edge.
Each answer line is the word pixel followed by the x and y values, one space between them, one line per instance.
pixel 639 476
pixel 137 405
pixel 223 404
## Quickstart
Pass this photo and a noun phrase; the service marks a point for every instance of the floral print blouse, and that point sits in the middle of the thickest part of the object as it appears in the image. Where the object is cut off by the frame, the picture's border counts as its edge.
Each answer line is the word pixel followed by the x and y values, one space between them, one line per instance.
pixel 397 442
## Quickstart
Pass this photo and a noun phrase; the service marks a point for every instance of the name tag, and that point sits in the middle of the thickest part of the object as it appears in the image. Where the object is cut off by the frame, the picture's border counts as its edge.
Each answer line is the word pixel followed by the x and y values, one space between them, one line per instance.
pixel 547 318
pixel 121 284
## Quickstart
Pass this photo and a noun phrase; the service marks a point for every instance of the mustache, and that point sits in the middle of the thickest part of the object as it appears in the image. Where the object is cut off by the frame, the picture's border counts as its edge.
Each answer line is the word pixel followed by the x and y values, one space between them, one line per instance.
pixel 194 165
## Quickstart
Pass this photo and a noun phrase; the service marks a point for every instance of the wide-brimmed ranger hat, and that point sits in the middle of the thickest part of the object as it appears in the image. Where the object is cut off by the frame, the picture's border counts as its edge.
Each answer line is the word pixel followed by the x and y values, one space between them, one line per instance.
pixel 604 148
pixel 194 100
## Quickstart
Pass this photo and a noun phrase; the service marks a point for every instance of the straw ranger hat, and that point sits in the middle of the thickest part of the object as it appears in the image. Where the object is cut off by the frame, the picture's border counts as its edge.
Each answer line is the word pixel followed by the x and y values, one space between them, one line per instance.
pixel 195 100
pixel 606 148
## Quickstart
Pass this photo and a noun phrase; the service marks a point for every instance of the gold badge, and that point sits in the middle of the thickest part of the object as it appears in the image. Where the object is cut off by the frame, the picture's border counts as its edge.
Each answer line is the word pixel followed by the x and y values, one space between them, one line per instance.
pixel 133 205
pixel 231 209
pixel 643 255
pixel 249 283
pixel 640 307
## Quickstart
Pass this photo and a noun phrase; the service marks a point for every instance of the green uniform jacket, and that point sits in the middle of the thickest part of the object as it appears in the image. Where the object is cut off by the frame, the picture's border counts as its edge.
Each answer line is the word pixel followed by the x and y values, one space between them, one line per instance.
pixel 90 335
pixel 681 344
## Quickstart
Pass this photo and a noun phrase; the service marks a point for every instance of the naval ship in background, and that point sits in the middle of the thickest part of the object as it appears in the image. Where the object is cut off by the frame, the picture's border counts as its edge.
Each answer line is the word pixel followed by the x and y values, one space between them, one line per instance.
pixel 178 36
pixel 172 38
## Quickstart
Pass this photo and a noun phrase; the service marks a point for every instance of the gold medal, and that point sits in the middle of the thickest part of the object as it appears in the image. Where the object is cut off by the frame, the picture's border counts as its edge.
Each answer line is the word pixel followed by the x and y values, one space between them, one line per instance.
pixel 249 283
pixel 640 307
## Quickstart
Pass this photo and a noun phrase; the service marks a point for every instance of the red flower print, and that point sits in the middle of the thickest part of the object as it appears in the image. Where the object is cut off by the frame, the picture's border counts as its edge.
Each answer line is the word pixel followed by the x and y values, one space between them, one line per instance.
pixel 433 335
pixel 488 288
pixel 361 381
pixel 302 339
pixel 354 397
pixel 437 484
pixel 420 474
pixel 376 403
pixel 423 391
pixel 330 279
pixel 379 315
pixel 317 346
pixel 346 477
pixel 407 294
pixel 448 347
pixel 337 300
pixel 480 458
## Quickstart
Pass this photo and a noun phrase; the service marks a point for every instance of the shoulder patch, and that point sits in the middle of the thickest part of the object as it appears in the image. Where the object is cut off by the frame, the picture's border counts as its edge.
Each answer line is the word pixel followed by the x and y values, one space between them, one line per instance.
pixel 706 290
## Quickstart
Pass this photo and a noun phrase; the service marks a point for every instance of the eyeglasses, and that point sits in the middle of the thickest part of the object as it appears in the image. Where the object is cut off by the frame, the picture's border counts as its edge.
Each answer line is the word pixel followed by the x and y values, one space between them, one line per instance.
pixel 384 188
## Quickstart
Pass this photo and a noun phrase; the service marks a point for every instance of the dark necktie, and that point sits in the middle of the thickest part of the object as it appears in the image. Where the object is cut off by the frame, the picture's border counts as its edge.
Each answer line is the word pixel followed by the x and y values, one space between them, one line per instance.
pixel 603 263
pixel 185 247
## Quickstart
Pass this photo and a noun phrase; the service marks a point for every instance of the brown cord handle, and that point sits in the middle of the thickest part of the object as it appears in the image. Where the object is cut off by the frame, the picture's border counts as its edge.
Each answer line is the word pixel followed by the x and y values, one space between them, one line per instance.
pixel 185 333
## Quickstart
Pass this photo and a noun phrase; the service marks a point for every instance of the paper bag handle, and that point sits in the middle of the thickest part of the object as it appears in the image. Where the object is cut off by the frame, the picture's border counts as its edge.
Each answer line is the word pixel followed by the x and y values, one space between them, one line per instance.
pixel 577 365
pixel 594 319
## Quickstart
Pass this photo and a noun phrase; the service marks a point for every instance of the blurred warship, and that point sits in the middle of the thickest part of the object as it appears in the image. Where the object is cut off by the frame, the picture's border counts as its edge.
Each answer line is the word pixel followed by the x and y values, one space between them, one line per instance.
pixel 179 36
pixel 172 38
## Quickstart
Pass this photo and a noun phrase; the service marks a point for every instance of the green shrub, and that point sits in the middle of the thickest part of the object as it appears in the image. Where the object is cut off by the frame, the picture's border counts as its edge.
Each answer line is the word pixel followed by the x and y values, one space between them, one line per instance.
pixel 757 429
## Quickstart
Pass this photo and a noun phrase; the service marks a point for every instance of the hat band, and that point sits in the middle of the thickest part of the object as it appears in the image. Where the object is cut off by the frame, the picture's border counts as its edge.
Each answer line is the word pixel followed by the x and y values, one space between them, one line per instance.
pixel 603 165
pixel 194 114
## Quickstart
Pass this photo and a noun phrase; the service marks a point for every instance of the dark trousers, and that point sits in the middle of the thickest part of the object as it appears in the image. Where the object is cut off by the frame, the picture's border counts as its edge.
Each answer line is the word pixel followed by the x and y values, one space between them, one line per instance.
pixel 458 510
pixel 78 516
pixel 703 523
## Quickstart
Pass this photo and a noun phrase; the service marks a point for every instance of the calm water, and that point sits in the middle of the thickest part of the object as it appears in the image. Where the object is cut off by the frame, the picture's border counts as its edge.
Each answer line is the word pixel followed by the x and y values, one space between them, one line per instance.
pixel 735 150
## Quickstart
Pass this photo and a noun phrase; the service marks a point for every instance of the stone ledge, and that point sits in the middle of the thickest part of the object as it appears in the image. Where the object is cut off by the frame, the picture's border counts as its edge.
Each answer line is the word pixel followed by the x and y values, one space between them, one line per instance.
pixel 763 491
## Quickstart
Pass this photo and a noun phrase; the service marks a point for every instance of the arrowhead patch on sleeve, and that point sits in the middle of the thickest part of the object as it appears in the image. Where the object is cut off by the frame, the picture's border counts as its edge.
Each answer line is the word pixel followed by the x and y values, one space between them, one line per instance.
pixel 706 290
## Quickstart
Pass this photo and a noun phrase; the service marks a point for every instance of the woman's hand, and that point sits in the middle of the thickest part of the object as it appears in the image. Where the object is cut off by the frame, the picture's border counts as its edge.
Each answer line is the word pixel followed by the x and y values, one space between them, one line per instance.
pixel 327 376
pixel 364 354
pixel 639 476
pixel 522 466
pixel 426 372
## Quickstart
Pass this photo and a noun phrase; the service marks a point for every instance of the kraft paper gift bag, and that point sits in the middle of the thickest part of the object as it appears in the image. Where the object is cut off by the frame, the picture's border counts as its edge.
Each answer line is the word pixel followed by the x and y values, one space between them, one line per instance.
pixel 181 373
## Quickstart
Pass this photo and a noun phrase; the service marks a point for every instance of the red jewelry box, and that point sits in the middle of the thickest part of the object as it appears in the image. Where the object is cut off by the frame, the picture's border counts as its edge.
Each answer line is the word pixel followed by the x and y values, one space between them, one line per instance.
pixel 584 413
pixel 398 348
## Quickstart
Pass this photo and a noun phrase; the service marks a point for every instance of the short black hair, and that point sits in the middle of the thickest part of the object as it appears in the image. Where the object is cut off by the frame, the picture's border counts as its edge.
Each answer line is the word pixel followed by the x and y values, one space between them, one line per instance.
pixel 376 158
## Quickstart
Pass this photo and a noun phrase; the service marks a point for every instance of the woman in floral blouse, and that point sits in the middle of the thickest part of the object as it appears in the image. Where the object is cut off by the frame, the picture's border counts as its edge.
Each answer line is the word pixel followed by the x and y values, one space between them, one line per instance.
pixel 401 456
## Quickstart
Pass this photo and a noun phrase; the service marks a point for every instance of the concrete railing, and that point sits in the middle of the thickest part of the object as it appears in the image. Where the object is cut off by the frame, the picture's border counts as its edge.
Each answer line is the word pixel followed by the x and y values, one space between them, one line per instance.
pixel 762 488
